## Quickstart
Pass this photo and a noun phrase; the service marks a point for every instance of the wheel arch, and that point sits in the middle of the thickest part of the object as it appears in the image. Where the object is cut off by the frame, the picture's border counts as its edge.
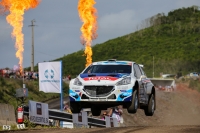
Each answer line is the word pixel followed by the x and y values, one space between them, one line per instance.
pixel 136 87
pixel 153 91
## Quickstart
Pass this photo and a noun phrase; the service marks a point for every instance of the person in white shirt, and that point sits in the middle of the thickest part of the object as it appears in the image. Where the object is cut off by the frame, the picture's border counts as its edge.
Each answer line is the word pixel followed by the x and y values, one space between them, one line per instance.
pixel 117 112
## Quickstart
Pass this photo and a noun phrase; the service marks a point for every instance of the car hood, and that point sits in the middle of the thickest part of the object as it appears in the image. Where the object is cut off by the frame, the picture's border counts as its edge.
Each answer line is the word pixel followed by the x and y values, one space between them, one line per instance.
pixel 101 78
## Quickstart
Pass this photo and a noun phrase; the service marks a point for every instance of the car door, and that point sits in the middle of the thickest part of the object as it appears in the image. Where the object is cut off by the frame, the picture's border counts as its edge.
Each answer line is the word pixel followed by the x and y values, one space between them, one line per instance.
pixel 147 84
pixel 138 74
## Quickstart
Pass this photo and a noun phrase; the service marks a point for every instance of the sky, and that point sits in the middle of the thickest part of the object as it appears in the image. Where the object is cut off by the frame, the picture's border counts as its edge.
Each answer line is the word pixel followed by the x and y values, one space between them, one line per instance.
pixel 57 31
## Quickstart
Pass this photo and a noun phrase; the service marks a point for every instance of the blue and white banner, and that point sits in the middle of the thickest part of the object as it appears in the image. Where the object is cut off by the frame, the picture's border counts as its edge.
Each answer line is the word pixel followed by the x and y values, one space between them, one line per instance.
pixel 50 77
pixel 38 112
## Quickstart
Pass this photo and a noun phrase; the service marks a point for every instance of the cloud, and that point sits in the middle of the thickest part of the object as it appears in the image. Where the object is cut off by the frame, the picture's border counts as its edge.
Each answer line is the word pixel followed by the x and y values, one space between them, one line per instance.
pixel 5 29
pixel 117 24
pixel 122 20
pixel 187 3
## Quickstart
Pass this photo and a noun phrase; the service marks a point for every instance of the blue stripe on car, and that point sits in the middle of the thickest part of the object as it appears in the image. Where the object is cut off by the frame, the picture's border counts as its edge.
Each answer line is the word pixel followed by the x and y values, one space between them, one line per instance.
pixel 128 99
pixel 124 95
pixel 74 96
pixel 118 75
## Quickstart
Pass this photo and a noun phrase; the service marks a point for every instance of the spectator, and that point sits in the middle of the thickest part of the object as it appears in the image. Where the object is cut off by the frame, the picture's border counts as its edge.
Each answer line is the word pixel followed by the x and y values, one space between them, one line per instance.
pixel 67 107
pixel 117 112
pixel 66 78
pixel 104 115
pixel 36 75
pixel 26 75
pixel 160 87
pixel 69 77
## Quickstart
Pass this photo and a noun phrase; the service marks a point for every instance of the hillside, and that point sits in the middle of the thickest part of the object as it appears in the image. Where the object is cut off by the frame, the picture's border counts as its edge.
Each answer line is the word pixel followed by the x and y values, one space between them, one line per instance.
pixel 8 90
pixel 172 39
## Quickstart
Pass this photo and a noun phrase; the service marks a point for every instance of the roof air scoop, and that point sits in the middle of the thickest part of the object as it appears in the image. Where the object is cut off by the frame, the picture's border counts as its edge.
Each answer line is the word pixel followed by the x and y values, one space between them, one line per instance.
pixel 112 59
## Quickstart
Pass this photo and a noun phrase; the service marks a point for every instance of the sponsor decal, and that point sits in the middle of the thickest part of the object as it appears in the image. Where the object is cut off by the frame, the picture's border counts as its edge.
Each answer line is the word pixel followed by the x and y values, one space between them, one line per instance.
pixel 72 94
pixel 123 90
pixel 49 75
pixel 38 113
pixel 36 119
pixel 100 78
pixel 146 80
pixel 122 87
pixel 75 88
pixel 126 93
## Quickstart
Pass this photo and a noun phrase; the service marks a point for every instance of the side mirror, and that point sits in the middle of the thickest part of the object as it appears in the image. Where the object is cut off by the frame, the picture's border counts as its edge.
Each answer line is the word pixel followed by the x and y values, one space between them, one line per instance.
pixel 143 77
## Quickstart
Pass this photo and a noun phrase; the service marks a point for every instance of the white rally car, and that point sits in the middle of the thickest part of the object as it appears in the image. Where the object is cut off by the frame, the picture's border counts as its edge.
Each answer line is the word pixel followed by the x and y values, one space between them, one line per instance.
pixel 110 83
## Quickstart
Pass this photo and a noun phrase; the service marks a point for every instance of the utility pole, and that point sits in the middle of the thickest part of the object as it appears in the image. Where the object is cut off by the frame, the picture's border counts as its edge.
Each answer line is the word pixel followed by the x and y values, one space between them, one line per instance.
pixel 153 66
pixel 32 48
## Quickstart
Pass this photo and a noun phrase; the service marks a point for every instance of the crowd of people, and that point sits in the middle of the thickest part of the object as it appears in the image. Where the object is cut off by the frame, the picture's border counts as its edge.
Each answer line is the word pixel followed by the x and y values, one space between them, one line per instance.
pixel 27 75
pixel 16 74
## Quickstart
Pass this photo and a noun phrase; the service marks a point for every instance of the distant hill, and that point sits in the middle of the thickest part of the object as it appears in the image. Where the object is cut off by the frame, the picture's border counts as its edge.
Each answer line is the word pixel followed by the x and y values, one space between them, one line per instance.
pixel 173 40
pixel 8 90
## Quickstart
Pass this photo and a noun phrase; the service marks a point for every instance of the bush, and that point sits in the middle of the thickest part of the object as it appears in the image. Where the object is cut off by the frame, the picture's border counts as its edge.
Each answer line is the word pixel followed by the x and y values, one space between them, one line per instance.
pixel 29 124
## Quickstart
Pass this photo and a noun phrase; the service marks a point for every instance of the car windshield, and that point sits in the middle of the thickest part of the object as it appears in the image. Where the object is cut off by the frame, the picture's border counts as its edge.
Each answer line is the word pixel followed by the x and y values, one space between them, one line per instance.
pixel 108 69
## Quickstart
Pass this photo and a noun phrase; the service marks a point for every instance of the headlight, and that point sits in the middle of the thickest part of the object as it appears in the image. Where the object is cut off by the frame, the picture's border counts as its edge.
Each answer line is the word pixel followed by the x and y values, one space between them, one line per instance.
pixel 77 82
pixel 124 81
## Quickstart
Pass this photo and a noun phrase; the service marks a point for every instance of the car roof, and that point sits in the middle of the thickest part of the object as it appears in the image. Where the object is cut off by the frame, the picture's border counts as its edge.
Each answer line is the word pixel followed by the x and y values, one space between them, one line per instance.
pixel 116 62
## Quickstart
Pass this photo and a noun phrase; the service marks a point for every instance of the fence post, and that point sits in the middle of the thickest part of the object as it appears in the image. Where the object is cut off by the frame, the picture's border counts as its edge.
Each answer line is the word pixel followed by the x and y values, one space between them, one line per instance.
pixel 111 122
pixel 80 120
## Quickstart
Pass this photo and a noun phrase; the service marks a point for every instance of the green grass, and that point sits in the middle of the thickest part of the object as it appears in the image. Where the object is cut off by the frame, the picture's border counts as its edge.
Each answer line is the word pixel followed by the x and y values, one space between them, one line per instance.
pixel 8 90
pixel 193 84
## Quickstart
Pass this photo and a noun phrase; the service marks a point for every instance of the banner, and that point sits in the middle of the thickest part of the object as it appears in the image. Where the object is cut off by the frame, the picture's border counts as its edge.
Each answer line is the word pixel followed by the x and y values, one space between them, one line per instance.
pixel 38 113
pixel 50 77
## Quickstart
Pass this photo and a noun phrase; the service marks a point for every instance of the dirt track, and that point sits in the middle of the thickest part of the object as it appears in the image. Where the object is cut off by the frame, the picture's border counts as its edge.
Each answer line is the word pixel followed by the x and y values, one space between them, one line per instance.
pixel 136 129
pixel 181 107
pixel 177 112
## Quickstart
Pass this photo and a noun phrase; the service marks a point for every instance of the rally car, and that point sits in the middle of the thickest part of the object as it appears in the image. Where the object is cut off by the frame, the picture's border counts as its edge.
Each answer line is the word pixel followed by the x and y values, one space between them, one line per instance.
pixel 111 83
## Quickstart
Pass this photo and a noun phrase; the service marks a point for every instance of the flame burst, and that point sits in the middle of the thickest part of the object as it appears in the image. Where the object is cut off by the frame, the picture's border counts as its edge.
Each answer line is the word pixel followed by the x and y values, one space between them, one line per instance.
pixel 16 9
pixel 87 14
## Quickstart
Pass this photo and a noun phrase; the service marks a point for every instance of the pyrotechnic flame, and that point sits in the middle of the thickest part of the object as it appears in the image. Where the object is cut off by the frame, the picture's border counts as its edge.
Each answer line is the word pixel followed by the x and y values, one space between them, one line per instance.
pixel 87 14
pixel 15 18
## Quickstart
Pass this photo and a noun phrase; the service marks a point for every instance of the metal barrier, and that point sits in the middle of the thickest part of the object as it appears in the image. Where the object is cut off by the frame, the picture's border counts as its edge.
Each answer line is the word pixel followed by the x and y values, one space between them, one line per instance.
pixel 63 116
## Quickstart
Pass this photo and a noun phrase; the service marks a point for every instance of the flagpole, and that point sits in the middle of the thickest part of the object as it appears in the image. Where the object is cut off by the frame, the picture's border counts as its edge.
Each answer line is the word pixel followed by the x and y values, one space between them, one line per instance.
pixel 61 92
pixel 61 88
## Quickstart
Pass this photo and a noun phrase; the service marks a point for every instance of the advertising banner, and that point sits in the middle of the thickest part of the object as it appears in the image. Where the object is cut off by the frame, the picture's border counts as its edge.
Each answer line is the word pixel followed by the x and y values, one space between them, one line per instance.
pixel 50 77
pixel 38 113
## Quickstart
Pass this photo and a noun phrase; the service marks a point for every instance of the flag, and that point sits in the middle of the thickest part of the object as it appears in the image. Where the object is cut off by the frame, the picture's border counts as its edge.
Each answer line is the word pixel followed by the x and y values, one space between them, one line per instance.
pixel 50 77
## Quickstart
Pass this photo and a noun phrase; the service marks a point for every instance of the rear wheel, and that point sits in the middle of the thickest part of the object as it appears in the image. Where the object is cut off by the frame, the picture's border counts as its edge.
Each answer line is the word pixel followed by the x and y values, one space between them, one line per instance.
pixel 132 108
pixel 75 108
pixel 95 111
pixel 149 110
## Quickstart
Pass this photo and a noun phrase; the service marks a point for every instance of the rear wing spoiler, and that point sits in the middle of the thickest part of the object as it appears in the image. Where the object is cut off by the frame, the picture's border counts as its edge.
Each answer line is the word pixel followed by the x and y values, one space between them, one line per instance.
pixel 141 65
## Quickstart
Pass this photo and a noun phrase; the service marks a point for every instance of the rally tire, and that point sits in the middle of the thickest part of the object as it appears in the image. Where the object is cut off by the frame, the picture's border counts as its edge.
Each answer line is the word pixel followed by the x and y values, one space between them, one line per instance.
pixel 132 108
pixel 75 108
pixel 95 111
pixel 149 110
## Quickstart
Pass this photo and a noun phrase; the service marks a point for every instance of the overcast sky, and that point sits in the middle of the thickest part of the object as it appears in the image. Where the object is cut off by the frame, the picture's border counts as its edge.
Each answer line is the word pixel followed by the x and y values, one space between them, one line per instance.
pixel 58 26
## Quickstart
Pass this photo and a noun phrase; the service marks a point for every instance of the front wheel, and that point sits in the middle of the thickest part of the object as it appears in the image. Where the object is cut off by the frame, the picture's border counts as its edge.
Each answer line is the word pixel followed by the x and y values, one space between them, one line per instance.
pixel 132 108
pixel 75 108
pixel 149 110
pixel 95 111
